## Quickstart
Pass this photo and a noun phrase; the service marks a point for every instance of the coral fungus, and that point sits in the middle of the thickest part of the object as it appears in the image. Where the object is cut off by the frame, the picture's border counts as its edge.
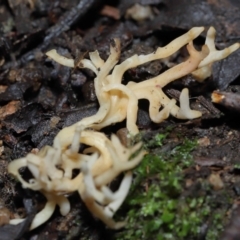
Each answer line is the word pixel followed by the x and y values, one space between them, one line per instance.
pixel 104 159
pixel 52 170
pixel 118 101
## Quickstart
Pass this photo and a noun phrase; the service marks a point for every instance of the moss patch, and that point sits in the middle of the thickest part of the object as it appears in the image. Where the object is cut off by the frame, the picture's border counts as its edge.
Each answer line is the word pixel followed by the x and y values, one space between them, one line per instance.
pixel 161 207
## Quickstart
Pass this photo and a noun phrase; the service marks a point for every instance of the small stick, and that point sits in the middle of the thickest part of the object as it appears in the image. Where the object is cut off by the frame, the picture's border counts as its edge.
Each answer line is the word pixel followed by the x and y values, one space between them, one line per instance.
pixel 64 24
pixel 208 105
pixel 227 99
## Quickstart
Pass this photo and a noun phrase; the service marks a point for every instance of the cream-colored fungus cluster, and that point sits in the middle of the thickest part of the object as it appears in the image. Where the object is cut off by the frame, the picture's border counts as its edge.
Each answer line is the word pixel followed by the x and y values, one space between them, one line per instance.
pixel 99 164
pixel 205 67
pixel 104 159
pixel 118 101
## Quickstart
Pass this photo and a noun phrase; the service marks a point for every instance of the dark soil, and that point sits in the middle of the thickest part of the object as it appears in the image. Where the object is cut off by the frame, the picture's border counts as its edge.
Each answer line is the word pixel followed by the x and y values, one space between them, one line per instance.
pixel 39 97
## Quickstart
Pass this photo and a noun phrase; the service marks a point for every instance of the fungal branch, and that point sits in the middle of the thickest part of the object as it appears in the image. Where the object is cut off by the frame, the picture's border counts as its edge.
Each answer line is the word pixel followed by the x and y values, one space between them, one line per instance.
pixel 118 101
pixel 204 69
pixel 105 159
pixel 52 175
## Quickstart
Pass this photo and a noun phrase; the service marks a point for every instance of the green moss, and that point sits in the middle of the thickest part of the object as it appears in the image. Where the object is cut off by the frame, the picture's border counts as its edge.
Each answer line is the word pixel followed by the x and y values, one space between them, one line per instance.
pixel 157 141
pixel 157 207
pixel 236 166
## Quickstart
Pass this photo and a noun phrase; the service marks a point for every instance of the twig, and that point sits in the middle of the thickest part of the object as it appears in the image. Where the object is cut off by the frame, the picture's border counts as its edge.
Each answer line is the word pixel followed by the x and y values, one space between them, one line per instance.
pixel 64 24
pixel 227 99
pixel 208 105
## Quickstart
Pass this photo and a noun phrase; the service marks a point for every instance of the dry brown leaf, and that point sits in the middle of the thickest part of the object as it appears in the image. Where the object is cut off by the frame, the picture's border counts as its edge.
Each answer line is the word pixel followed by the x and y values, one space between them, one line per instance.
pixel 9 109
pixel 216 181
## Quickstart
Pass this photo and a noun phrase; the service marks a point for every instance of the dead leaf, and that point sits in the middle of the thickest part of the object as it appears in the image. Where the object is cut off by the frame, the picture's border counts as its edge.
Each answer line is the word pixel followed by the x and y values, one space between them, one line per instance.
pixel 216 181
pixel 9 109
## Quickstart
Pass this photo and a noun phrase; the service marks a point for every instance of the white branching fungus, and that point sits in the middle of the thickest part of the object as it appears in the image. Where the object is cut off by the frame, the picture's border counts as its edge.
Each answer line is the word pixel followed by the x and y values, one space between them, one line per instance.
pixel 104 203
pixel 151 89
pixel 52 174
pixel 205 67
pixel 47 211
pixel 118 101
pixel 60 59
pixel 104 159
